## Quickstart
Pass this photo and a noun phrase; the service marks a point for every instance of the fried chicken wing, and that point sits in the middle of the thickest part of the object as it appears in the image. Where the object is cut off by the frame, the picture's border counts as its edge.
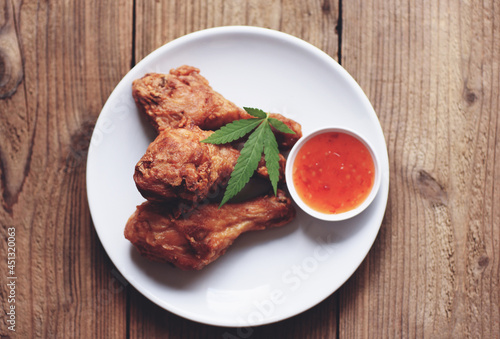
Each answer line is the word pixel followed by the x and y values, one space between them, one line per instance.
pixel 177 165
pixel 184 97
pixel 192 241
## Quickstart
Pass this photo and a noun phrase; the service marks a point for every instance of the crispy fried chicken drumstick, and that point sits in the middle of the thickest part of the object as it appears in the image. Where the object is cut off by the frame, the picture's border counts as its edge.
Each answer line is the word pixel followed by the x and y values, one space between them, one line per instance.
pixel 192 241
pixel 184 96
pixel 170 100
pixel 177 223
pixel 178 166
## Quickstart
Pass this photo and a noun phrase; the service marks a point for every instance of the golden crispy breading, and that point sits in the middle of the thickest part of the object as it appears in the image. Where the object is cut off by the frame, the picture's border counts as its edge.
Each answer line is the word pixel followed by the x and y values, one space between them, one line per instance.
pixel 194 240
pixel 178 166
pixel 184 97
pixel 178 174
pixel 286 140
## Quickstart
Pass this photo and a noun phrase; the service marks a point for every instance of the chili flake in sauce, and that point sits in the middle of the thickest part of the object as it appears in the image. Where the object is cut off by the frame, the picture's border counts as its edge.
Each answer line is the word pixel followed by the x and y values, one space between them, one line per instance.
pixel 333 172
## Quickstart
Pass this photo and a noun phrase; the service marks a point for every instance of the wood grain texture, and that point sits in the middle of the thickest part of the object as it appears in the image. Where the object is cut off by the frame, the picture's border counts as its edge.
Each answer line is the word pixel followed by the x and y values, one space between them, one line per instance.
pixel 431 69
pixel 150 321
pixel 160 22
pixel 59 62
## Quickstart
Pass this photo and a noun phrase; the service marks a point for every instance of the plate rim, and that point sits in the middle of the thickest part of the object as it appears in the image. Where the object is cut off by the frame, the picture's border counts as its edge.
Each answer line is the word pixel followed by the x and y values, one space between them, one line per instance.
pixel 209 32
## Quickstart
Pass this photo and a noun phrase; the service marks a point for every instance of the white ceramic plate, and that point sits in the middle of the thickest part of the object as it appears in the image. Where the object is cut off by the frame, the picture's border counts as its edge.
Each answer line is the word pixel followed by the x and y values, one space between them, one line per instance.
pixel 265 276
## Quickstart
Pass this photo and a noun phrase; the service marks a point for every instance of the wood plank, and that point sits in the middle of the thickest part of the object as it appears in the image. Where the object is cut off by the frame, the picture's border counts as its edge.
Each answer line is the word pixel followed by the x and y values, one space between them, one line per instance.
pixel 158 23
pixel 59 61
pixel 431 69
pixel 147 320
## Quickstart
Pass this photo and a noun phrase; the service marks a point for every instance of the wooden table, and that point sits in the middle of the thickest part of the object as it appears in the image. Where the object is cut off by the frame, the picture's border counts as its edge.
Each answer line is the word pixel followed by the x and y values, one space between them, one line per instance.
pixel 432 72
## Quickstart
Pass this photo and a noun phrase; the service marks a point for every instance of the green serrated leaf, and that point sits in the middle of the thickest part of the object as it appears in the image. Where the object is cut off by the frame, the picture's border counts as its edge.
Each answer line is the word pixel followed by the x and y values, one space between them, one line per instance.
pixel 247 163
pixel 232 131
pixel 258 113
pixel 280 126
pixel 272 158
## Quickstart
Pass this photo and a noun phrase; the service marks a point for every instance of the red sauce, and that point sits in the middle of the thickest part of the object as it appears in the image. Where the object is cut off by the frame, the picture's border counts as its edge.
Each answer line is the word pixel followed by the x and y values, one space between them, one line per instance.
pixel 333 172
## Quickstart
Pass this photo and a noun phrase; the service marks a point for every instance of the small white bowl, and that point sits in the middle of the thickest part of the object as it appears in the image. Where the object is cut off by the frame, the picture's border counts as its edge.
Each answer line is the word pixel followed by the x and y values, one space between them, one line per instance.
pixel 324 216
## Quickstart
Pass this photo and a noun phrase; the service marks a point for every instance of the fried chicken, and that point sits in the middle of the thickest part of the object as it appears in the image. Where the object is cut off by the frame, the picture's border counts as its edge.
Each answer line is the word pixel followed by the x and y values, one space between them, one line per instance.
pixel 192 241
pixel 184 97
pixel 286 140
pixel 178 166
pixel 172 100
pixel 177 223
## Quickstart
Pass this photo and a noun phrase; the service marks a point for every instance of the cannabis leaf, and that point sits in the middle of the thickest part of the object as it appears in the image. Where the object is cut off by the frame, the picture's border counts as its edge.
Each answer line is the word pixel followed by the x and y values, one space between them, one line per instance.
pixel 280 126
pixel 262 139
pixel 272 156
pixel 246 164
pixel 233 131
pixel 258 113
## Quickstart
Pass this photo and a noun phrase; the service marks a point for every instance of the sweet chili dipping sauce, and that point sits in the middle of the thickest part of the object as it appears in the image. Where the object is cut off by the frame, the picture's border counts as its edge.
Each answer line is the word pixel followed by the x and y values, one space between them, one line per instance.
pixel 333 172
